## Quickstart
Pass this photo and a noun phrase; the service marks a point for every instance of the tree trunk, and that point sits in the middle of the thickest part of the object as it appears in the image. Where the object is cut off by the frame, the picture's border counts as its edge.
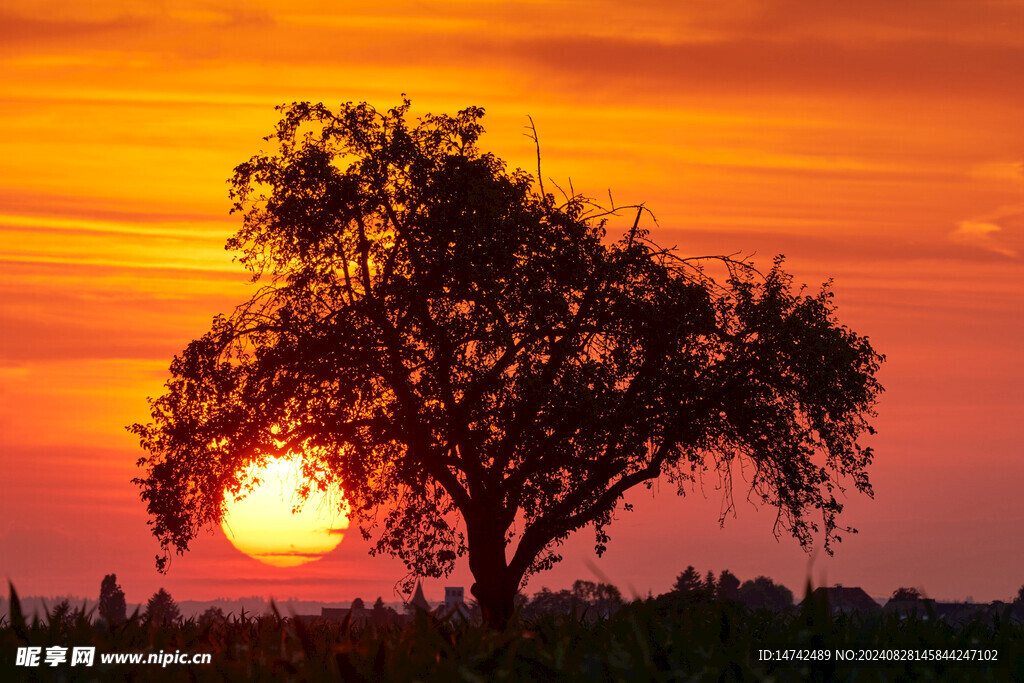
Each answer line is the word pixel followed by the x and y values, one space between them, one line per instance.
pixel 497 602
pixel 495 587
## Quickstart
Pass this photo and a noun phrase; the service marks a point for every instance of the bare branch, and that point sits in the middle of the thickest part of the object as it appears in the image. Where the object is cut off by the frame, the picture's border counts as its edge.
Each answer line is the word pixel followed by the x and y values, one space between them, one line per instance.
pixel 536 142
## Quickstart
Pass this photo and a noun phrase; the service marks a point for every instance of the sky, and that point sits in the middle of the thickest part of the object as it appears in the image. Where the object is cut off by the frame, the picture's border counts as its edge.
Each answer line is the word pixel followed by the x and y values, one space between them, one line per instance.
pixel 876 143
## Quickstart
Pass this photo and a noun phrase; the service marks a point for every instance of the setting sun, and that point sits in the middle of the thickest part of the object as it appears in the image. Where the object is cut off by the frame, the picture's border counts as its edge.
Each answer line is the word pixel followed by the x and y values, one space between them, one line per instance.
pixel 263 526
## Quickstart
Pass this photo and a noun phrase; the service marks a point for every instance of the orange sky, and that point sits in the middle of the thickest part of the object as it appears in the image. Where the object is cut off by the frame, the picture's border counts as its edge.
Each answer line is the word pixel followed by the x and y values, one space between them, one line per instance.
pixel 878 143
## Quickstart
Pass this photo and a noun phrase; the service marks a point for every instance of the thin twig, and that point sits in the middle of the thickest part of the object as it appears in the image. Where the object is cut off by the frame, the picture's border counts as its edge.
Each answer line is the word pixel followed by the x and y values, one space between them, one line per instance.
pixel 536 143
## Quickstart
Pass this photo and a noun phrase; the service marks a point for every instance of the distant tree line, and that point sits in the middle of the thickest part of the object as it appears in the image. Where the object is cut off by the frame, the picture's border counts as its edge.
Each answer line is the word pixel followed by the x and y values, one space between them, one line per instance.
pixel 758 593
pixel 600 600
pixel 161 609
pixel 586 599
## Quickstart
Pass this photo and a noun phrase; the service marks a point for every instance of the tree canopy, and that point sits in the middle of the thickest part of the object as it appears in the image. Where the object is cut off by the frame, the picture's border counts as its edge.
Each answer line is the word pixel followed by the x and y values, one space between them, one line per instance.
pixel 903 593
pixel 483 367
pixel 586 599
pixel 763 593
pixel 112 606
pixel 689 583
pixel 728 586
pixel 161 609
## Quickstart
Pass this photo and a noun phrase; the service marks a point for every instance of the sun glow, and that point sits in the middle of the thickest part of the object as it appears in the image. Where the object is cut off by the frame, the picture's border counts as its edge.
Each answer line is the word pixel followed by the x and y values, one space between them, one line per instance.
pixel 263 526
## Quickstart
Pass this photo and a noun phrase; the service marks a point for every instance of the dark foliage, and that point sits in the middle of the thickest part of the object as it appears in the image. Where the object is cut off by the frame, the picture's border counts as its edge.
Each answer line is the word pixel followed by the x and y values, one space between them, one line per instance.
pixel 586 600
pixel 483 368
pixel 763 593
pixel 690 588
pixel 906 594
pixel 112 606
pixel 212 616
pixel 728 586
pixel 689 585
pixel 161 610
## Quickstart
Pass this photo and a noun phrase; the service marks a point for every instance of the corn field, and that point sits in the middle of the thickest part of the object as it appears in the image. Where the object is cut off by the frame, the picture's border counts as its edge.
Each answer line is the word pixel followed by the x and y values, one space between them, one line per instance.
pixel 649 640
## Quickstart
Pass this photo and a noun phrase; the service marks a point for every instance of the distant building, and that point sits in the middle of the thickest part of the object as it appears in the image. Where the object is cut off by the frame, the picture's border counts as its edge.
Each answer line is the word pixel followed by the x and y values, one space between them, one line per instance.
pixel 961 613
pixel 846 600
pixel 356 613
pixel 454 601
pixel 922 608
pixel 418 601
pixel 359 615
pixel 333 613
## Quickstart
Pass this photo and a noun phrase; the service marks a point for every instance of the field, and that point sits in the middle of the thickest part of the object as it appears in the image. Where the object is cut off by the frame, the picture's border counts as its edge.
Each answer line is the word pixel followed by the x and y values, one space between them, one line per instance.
pixel 652 640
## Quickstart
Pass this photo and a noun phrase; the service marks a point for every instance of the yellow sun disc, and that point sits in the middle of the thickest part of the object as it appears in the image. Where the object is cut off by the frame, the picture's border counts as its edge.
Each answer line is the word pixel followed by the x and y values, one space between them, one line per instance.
pixel 262 524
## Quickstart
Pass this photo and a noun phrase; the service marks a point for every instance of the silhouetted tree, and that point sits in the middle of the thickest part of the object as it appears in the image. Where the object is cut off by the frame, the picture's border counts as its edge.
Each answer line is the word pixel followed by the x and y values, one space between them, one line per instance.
pixel 357 604
pixel 212 616
pixel 379 615
pixel 547 601
pixel 710 587
pixel 598 599
pixel 728 586
pixel 161 609
pixel 451 344
pixel 586 597
pixel 1020 595
pixel 689 584
pixel 112 606
pixel 763 593
pixel 590 592
pixel 62 614
pixel 901 594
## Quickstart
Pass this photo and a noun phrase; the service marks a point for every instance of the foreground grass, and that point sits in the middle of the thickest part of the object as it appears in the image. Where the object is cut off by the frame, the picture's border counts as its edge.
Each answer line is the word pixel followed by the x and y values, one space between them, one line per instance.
pixel 654 640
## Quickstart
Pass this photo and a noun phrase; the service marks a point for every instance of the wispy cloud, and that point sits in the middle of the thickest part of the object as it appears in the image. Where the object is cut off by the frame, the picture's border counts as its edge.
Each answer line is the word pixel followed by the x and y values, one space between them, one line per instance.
pixel 989 231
